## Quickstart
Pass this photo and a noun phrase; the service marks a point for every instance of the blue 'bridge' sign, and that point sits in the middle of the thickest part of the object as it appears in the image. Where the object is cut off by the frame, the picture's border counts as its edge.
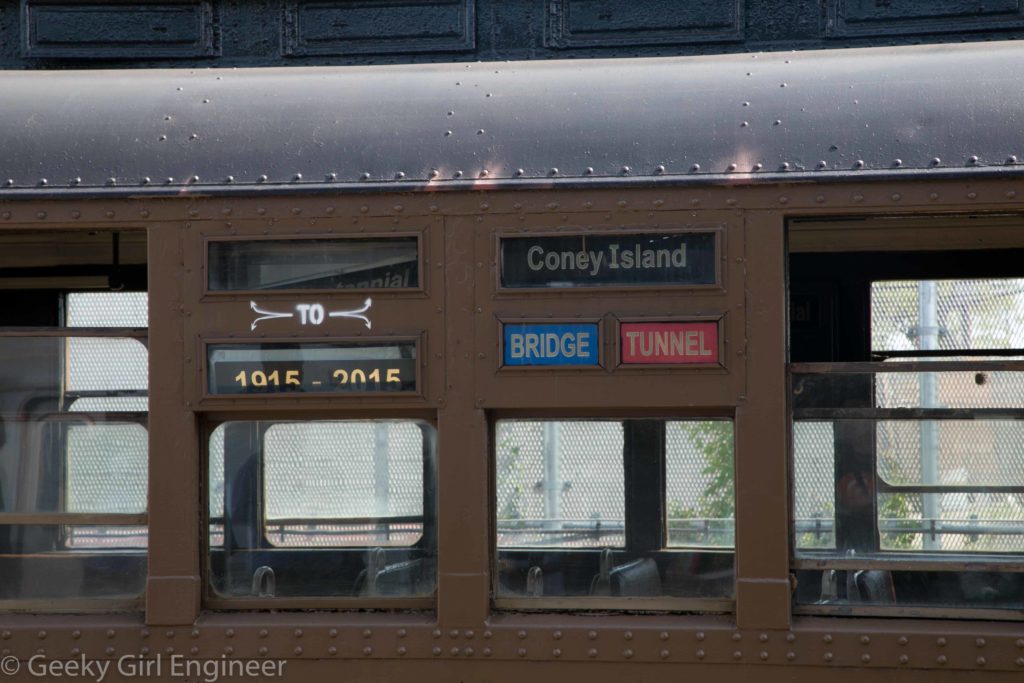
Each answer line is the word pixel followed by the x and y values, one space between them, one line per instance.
pixel 551 344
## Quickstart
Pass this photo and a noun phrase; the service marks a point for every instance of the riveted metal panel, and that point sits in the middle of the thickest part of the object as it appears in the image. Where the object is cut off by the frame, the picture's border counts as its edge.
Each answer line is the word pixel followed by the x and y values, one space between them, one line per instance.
pixel 463 640
pixel 103 30
pixel 604 23
pixel 729 119
pixel 344 27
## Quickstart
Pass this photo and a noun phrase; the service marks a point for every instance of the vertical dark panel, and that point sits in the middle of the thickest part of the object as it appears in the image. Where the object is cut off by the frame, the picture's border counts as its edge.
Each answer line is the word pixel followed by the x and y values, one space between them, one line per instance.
pixel 644 466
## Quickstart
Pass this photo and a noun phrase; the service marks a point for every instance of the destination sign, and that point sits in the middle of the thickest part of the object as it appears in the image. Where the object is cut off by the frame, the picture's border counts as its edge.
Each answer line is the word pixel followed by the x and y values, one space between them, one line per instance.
pixel 669 343
pixel 550 344
pixel 234 369
pixel 595 260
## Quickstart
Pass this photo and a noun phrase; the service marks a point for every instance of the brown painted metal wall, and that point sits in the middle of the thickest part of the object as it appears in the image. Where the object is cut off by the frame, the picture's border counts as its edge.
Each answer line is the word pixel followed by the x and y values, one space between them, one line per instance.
pixel 461 636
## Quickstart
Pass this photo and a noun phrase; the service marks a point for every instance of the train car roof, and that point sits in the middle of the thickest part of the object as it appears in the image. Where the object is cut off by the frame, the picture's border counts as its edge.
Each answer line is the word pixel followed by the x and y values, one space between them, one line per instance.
pixel 740 118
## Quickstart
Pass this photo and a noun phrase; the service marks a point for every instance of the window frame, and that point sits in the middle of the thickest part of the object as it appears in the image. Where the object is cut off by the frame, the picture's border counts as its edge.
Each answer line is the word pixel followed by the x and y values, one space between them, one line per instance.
pixel 223 602
pixel 63 521
pixel 634 491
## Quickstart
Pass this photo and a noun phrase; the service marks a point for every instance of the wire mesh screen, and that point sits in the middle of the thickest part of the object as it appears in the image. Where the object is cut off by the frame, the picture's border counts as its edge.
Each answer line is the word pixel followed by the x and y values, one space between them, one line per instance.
pixel 107 467
pixel 950 389
pixel 343 469
pixel 957 314
pixel 107 464
pixel 967 452
pixel 935 319
pixel 814 491
pixel 107 309
pixel 699 493
pixel 103 365
pixel 560 483
pixel 334 483
pixel 107 365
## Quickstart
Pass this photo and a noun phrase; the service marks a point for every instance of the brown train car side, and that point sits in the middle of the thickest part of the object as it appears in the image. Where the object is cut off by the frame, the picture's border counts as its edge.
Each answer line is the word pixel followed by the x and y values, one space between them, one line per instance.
pixel 612 370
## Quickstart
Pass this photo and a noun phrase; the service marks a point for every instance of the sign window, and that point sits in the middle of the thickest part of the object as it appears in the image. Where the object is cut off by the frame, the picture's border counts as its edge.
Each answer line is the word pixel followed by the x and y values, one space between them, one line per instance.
pixel 386 263
pixel 550 344
pixel 609 260
pixel 669 343
pixel 311 368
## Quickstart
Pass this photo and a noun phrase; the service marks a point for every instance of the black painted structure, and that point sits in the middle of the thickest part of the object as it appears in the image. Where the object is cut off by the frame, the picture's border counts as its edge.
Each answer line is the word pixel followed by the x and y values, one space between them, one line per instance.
pixel 79 34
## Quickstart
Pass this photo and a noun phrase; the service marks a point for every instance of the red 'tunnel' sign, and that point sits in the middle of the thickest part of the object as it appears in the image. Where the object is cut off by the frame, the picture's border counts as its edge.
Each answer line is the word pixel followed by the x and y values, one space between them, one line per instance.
pixel 669 343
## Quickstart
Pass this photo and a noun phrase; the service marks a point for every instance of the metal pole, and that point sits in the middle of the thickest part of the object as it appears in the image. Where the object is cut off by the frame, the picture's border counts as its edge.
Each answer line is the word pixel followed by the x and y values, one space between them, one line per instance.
pixel 552 478
pixel 381 469
pixel 928 339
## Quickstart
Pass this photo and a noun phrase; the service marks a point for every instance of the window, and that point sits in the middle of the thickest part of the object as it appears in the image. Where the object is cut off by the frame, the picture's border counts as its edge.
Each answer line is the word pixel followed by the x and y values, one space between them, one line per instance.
pixel 909 471
pixel 351 263
pixel 73 422
pixel 592 511
pixel 330 508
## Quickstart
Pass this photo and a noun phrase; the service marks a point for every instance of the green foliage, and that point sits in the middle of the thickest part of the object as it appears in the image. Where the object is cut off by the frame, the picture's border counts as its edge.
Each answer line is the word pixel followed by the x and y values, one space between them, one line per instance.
pixel 810 540
pixel 714 440
pixel 508 465
pixel 900 507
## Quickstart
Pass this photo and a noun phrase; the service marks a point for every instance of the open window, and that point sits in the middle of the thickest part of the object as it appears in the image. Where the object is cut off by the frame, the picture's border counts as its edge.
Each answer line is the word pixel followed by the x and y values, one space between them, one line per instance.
pixel 614 513
pixel 73 420
pixel 908 444
pixel 322 509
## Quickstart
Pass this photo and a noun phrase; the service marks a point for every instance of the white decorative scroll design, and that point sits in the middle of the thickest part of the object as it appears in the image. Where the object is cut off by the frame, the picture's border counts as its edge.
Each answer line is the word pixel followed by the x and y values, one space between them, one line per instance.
pixel 311 314
pixel 265 315
pixel 357 313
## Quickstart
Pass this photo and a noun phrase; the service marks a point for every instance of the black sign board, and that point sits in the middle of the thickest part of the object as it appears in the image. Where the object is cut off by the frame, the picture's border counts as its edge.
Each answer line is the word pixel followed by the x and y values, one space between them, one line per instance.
pixel 681 258
pixel 234 369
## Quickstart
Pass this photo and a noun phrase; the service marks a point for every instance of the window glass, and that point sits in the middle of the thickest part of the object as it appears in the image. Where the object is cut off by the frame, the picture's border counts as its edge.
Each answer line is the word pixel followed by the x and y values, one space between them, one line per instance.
pixel 814 491
pixel 307 485
pixel 947 315
pixel 388 263
pixel 107 309
pixel 326 508
pixel 107 467
pixel 560 484
pixel 699 484
pixel 74 453
pixel 910 461
pixel 591 511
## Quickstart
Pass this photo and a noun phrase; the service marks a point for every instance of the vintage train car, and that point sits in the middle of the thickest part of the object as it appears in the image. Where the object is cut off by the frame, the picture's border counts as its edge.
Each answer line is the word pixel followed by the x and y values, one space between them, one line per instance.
pixel 608 370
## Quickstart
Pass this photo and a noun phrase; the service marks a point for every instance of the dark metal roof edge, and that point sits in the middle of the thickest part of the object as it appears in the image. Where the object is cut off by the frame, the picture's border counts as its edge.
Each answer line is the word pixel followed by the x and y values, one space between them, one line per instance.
pixel 491 185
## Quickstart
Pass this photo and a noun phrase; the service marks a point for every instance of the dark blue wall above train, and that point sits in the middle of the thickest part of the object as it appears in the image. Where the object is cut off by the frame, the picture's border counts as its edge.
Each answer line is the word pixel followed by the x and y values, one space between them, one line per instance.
pixel 184 33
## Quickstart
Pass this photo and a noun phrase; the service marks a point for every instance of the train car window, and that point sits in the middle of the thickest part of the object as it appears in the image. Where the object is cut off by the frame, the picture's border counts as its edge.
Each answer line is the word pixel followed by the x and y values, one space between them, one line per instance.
pixel 322 509
pixel 614 514
pixel 248 265
pixel 699 492
pixel 73 422
pixel 909 482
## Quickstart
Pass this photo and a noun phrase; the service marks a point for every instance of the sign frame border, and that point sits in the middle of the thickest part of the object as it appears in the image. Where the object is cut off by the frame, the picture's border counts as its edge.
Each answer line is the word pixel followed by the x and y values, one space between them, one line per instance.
pixel 719 366
pixel 602 342
pixel 384 397
pixel 718 229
